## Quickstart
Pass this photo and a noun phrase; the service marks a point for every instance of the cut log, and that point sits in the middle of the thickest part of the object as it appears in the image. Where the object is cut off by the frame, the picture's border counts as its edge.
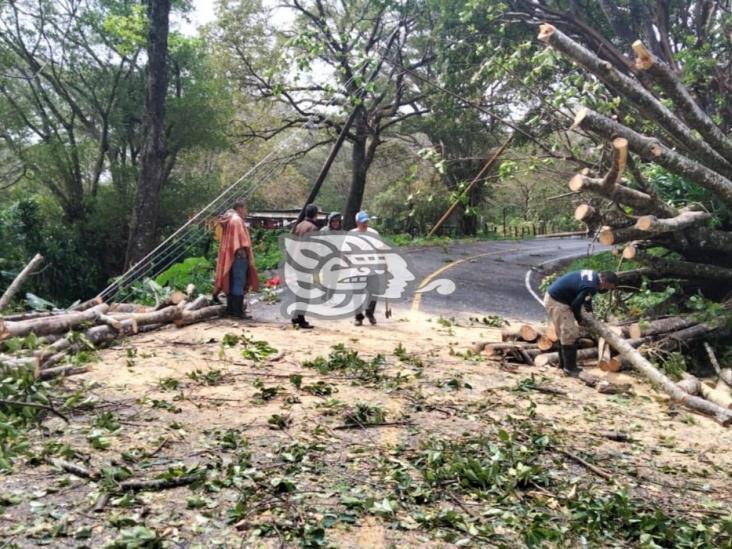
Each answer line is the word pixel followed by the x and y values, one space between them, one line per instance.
pixel 652 224
pixel 191 317
pixel 725 375
pixel 720 414
pixel 529 333
pixel 679 338
pixel 552 359
pixel 93 302
pixel 9 363
pixel 721 398
pixel 199 303
pixel 174 298
pixel 111 322
pixel 660 326
pixel 587 214
pixel 640 201
pixel 31 316
pixel 610 364
pixel 686 269
pixel 551 333
pixel 163 316
pixel 544 344
pixel 503 348
pixel 620 160
pixel 51 325
pixel 603 386
pixel 510 333
pixel 62 371
pixel 712 358
pixel 16 284
pixel 690 384
pixel 128 308
pixel 610 235
pixel 585 343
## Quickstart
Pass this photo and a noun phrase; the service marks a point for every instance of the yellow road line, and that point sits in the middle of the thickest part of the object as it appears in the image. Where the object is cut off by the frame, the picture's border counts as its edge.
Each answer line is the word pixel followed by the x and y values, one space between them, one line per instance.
pixel 417 300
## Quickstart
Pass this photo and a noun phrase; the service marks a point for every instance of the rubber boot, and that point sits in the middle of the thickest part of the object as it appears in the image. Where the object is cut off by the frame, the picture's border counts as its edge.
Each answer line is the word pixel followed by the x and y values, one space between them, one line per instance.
pixel 561 357
pixel 300 322
pixel 570 360
pixel 239 312
pixel 230 305
pixel 370 313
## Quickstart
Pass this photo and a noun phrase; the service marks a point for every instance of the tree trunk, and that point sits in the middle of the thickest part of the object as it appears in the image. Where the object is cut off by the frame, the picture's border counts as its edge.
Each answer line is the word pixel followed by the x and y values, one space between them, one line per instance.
pixel 660 326
pixel 675 89
pixel 359 168
pixel 720 414
pixel 686 219
pixel 144 224
pixel 191 317
pixel 651 149
pixel 685 269
pixel 19 280
pixel 50 325
pixel 633 91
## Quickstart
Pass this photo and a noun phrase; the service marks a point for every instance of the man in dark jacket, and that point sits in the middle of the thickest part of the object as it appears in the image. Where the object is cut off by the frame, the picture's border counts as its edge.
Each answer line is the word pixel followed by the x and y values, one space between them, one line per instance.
pixel 307 225
pixel 564 301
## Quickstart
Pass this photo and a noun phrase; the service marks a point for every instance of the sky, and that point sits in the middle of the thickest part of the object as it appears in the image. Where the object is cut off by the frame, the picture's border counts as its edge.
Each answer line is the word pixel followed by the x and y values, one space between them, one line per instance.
pixel 203 12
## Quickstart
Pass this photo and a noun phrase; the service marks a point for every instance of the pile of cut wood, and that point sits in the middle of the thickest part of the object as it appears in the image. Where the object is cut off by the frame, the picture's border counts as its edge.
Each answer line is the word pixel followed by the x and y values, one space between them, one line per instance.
pixel 64 333
pixel 633 342
pixel 539 345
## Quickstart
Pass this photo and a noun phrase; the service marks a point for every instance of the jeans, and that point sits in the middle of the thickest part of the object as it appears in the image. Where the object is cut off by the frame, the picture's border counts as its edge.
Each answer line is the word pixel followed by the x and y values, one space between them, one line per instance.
pixel 238 276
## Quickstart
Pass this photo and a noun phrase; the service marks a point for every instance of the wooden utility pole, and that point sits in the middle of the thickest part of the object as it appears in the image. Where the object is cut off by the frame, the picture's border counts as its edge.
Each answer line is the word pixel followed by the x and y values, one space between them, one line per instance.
pixel 472 184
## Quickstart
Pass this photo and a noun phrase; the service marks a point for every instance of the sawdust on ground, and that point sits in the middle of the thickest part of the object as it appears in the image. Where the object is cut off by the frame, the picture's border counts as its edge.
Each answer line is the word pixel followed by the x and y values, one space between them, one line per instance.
pixel 455 393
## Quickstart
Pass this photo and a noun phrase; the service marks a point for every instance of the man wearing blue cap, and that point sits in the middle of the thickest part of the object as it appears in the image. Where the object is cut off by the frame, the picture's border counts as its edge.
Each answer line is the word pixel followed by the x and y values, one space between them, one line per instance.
pixel 362 227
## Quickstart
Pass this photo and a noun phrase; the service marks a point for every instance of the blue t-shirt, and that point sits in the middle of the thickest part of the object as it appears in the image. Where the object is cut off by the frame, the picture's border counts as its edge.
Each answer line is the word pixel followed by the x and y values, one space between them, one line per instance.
pixel 575 288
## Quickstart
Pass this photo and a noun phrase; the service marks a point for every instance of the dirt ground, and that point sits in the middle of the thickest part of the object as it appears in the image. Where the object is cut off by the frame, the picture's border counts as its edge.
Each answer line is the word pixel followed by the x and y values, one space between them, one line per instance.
pixel 183 397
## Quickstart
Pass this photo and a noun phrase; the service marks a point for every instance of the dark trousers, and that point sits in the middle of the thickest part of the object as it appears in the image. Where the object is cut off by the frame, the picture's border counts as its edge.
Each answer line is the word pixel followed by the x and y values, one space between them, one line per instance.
pixel 369 310
pixel 237 286
pixel 238 276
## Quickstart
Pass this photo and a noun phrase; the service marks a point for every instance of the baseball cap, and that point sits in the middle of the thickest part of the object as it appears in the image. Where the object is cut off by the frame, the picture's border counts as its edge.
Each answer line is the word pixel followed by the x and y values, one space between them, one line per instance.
pixel 362 217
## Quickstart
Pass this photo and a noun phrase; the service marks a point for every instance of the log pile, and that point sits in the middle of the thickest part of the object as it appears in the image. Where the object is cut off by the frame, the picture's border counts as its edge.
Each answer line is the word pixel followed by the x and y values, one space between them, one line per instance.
pixel 62 335
pixel 633 342
pixel 539 345
pixel 687 143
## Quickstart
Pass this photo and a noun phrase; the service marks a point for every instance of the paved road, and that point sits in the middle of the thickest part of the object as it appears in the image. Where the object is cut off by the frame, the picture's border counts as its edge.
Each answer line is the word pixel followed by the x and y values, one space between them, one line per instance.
pixel 491 277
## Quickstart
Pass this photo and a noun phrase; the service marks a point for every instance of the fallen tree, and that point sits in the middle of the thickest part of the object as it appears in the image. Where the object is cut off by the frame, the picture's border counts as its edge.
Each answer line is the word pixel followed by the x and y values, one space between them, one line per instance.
pixel 643 366
pixel 66 334
pixel 685 141
pixel 15 285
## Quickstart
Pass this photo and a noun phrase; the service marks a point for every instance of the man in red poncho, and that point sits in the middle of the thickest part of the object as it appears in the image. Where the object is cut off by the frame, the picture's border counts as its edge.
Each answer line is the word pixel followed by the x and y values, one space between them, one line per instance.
pixel 235 271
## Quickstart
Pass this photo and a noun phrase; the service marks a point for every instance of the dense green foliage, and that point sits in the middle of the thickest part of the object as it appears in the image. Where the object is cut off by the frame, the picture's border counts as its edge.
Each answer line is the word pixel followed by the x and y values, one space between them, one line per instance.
pixel 253 83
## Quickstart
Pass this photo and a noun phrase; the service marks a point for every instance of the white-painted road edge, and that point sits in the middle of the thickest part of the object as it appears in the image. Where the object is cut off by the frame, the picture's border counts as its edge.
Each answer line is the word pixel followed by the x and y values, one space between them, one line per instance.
pixel 527 279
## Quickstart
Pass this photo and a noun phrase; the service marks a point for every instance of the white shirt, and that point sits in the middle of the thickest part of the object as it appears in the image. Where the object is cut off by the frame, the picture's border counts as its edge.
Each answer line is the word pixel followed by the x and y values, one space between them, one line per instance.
pixel 368 230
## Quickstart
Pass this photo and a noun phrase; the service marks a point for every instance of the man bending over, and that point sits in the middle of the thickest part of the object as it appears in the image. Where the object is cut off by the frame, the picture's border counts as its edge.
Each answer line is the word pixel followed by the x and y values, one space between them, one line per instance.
pixel 564 301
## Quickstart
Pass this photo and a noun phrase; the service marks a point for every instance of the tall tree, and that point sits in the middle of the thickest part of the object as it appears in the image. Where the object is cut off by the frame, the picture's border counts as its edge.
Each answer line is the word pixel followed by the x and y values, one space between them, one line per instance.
pixel 61 83
pixel 314 73
pixel 144 225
